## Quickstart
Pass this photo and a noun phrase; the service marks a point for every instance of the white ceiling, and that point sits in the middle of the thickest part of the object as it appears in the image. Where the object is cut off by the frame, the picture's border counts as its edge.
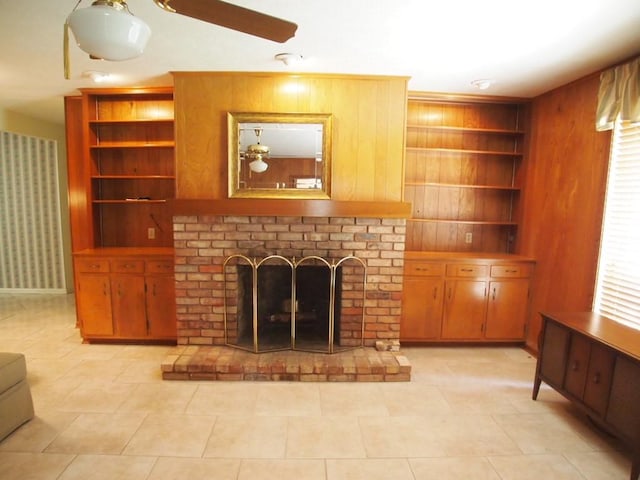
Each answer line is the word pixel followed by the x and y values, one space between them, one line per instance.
pixel 527 48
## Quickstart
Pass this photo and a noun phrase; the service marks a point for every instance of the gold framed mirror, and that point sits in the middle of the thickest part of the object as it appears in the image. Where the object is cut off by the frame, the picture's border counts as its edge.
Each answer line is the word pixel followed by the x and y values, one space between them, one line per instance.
pixel 279 155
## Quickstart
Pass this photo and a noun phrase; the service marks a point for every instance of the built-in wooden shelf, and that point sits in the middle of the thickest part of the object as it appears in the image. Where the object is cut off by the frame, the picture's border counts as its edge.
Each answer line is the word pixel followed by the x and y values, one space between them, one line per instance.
pixel 460 185
pixel 463 150
pixel 136 177
pixel 444 128
pixel 130 201
pixel 131 121
pixel 465 222
pixel 133 144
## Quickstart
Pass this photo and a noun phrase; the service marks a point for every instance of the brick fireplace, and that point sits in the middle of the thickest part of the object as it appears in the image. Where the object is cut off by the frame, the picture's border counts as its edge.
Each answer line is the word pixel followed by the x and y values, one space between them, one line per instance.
pixel 203 242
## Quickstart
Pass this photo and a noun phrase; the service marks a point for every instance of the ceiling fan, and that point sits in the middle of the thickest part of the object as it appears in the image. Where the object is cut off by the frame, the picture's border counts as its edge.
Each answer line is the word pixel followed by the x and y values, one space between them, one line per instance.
pixel 108 30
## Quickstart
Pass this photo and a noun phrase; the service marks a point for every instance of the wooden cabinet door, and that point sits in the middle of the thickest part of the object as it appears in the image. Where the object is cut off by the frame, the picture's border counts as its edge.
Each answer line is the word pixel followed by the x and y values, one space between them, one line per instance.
pixel 161 306
pixel 553 353
pixel 577 365
pixel 623 411
pixel 507 309
pixel 599 377
pixel 94 305
pixel 128 300
pixel 464 309
pixel 421 308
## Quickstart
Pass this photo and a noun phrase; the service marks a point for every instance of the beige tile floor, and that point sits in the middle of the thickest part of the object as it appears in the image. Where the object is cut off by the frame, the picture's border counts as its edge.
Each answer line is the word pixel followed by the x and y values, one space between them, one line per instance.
pixel 103 412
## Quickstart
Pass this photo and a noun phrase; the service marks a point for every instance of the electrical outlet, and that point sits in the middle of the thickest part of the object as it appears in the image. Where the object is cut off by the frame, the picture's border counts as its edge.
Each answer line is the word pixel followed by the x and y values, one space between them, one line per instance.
pixel 151 233
pixel 468 237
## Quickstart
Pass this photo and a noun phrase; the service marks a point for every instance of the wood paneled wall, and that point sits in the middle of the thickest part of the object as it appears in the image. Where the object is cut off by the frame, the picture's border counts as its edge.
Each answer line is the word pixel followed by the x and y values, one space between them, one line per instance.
pixel 563 200
pixel 368 127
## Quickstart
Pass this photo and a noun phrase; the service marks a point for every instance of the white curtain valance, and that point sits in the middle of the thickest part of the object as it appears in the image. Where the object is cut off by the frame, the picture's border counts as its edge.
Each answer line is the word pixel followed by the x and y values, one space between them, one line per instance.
pixel 619 94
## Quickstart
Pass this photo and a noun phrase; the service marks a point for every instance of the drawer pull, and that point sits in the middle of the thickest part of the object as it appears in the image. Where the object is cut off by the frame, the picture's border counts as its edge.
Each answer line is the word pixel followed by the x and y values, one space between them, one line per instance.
pixel 435 292
pixel 94 266
pixel 511 270
pixel 422 269
pixel 466 269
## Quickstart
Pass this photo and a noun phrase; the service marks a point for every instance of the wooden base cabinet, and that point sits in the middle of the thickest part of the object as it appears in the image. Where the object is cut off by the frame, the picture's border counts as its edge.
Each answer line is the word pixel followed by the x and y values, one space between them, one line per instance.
pixel 93 300
pixel 464 309
pixel 507 307
pixel 125 297
pixel 422 297
pixel 465 297
pixel 594 362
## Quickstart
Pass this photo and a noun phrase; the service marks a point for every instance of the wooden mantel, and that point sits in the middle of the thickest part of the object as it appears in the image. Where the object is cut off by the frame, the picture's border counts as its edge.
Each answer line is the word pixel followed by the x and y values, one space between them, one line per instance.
pixel 291 207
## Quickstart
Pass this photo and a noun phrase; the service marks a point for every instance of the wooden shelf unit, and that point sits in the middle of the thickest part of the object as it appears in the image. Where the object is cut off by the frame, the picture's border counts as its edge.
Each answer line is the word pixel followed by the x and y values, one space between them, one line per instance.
pixel 130 147
pixel 121 176
pixel 463 163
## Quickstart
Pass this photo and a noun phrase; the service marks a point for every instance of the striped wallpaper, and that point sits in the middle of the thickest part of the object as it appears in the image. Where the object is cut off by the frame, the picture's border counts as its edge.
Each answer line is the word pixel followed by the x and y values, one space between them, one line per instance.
pixel 31 255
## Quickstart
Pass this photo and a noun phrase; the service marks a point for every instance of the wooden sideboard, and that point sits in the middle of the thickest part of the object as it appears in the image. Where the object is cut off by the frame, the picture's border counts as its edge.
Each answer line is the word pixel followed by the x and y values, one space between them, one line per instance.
pixel 595 363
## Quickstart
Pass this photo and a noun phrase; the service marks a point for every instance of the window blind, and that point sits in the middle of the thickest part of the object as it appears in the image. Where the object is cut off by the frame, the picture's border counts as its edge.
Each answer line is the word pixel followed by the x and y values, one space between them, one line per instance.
pixel 618 284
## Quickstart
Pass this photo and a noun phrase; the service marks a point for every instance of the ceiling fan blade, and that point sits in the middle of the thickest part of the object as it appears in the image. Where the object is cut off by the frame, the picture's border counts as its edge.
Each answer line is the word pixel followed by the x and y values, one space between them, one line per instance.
pixel 234 17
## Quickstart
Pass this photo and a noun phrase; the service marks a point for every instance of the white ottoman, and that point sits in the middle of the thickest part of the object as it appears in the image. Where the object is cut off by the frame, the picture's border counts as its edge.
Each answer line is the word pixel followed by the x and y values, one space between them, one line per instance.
pixel 16 404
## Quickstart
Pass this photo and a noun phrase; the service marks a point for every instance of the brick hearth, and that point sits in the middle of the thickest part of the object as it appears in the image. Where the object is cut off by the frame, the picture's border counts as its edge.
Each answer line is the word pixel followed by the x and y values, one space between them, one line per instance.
pixel 226 363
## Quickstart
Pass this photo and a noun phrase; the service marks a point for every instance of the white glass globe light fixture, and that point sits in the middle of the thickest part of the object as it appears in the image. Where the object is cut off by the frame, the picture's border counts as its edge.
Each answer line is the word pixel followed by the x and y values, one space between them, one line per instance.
pixel 108 30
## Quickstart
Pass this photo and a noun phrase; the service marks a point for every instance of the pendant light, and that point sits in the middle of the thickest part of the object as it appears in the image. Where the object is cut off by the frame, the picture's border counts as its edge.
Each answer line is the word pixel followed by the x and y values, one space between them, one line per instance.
pixel 108 30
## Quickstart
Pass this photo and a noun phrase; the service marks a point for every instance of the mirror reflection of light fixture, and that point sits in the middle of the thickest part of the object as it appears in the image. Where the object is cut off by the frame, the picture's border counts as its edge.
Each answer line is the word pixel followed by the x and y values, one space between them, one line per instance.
pixel 256 153
pixel 107 30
